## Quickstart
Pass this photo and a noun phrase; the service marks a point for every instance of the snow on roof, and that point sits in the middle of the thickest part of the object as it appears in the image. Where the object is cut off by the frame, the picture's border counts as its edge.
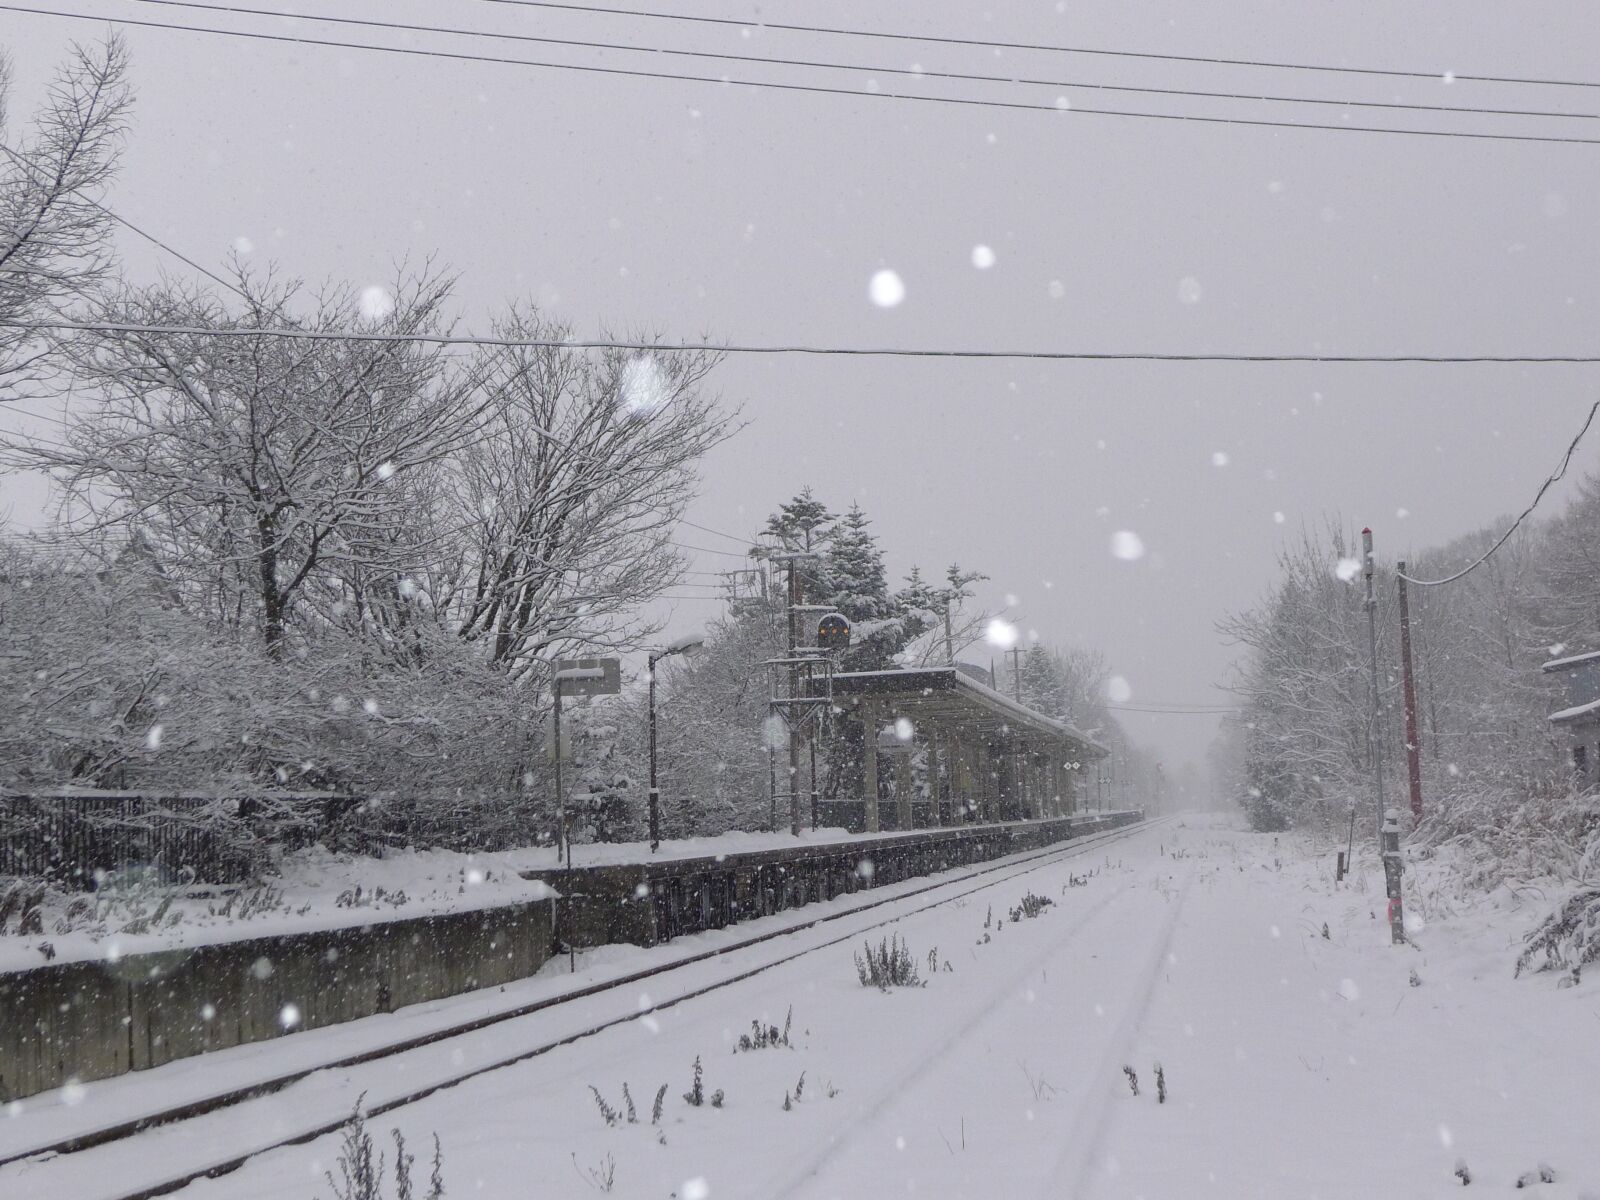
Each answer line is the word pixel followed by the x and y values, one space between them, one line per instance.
pixel 1576 713
pixel 958 681
pixel 1572 660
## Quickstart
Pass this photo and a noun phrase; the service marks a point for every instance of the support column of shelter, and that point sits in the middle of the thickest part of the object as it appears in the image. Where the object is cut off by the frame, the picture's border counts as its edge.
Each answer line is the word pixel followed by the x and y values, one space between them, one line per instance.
pixel 986 783
pixel 959 781
pixel 869 760
pixel 903 788
pixel 932 772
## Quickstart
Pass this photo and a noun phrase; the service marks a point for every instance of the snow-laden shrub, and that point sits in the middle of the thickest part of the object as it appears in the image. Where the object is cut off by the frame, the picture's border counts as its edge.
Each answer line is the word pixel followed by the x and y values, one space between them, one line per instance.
pixel 1568 938
pixel 888 966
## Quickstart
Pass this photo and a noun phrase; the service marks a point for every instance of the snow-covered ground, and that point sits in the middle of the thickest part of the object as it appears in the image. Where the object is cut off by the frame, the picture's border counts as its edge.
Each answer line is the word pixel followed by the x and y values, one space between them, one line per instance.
pixel 1296 1065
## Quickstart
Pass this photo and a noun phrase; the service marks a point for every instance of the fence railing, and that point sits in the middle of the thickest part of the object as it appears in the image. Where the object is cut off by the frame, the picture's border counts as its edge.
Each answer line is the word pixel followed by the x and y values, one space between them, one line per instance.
pixel 77 837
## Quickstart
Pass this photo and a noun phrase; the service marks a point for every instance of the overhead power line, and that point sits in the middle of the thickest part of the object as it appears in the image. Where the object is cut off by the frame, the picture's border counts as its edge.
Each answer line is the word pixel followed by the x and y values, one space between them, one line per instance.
pixel 22 161
pixel 934 39
pixel 357 335
pixel 877 69
pixel 1175 712
pixel 1566 461
pixel 810 88
pixel 732 537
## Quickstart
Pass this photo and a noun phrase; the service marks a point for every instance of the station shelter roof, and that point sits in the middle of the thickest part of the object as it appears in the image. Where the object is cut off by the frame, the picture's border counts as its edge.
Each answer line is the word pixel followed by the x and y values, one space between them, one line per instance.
pixel 951 699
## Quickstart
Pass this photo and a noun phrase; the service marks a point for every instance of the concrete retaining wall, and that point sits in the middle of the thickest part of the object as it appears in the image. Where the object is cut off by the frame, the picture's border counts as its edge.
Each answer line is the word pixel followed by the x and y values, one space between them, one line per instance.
pixel 650 902
pixel 93 1020
pixel 89 1021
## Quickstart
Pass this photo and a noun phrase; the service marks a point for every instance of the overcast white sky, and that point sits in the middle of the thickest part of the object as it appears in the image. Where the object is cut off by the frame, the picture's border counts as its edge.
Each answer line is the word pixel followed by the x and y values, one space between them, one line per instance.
pixel 760 216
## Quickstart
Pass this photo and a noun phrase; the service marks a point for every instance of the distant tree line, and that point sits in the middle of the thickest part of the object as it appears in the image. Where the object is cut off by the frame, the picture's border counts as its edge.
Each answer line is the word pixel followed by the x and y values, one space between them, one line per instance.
pixel 1495 771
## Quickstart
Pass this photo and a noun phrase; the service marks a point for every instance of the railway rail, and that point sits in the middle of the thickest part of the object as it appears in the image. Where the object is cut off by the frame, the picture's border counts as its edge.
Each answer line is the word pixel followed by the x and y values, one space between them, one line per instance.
pixel 66 1165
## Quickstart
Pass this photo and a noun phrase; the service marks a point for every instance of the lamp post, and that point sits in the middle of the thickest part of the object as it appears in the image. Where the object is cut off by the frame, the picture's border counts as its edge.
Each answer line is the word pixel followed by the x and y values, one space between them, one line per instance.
pixel 688 644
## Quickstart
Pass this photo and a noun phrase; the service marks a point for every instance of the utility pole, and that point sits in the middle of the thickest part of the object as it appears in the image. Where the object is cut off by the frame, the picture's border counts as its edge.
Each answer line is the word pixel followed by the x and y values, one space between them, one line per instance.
pixel 949 641
pixel 1393 865
pixel 795 706
pixel 1375 738
pixel 563 843
pixel 1016 673
pixel 794 690
pixel 1413 739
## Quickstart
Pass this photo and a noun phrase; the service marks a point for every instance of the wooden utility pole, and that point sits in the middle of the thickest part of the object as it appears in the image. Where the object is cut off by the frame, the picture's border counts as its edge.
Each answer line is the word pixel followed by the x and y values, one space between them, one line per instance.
pixel 1375 742
pixel 1413 739
pixel 794 691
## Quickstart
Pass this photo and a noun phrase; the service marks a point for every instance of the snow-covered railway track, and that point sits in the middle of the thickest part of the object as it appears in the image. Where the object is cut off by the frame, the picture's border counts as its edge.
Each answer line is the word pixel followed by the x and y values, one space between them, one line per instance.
pixel 162 1150
pixel 937 1079
pixel 1072 1175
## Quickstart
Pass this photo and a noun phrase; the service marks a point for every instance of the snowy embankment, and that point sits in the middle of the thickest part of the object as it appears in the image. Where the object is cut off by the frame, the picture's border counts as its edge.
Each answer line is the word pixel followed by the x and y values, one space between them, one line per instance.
pixel 318 890
pixel 1294 1063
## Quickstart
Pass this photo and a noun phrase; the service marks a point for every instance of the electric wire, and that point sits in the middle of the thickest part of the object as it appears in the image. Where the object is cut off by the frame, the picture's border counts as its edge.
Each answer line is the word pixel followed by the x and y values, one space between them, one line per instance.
pixel 809 88
pixel 878 69
pixel 1566 461
pixel 22 161
pixel 665 347
pixel 933 39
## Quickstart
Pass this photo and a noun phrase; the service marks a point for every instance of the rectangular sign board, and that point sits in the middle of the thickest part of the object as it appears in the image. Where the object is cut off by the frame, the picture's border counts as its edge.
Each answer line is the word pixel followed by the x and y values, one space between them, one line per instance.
pixel 589 676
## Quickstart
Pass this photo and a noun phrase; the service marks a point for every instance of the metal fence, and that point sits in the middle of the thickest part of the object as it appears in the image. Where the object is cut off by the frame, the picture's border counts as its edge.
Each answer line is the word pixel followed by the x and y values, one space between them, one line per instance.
pixel 77 838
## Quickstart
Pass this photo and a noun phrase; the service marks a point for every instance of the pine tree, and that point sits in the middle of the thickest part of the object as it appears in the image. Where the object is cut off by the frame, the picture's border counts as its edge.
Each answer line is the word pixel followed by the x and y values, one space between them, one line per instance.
pixel 1043 682
pixel 802 523
pixel 856 580
pixel 805 524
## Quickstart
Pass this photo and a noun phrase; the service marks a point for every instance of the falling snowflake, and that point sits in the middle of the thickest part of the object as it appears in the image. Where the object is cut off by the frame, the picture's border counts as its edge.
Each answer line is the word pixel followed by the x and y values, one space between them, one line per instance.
pixel 774 732
pixel 376 303
pixel 903 729
pixel 1001 634
pixel 386 470
pixel 1278 518
pixel 982 257
pixel 1057 289
pixel 1219 458
pixel 696 1188
pixel 243 245
pixel 1127 545
pixel 1347 569
pixel 289 1016
pixel 1119 690
pixel 152 740
pixel 887 289
pixel 1189 291
pixel 645 389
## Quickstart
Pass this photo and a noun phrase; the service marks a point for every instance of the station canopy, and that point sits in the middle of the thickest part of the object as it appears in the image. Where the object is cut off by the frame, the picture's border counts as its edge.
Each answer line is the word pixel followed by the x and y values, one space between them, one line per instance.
pixel 949 700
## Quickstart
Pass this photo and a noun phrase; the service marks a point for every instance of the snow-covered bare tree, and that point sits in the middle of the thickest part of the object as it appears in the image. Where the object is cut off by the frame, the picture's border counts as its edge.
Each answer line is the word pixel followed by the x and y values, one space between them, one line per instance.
pixel 252 463
pixel 53 244
pixel 562 509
